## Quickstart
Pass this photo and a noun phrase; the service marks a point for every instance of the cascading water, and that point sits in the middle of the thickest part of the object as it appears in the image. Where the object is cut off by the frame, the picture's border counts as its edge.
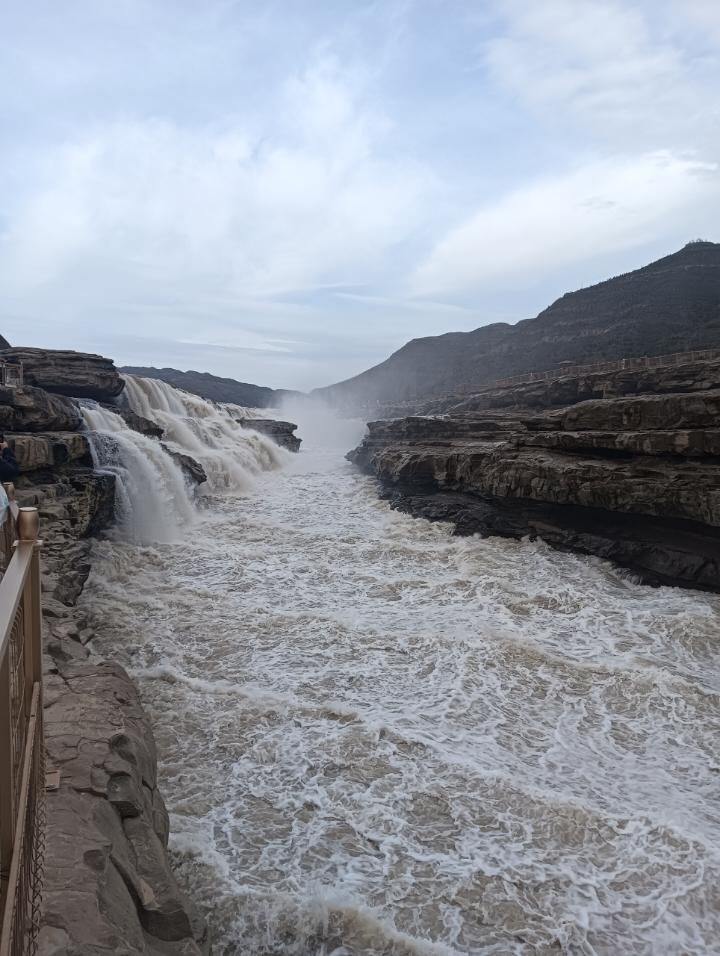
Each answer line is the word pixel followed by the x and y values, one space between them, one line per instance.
pixel 231 455
pixel 153 501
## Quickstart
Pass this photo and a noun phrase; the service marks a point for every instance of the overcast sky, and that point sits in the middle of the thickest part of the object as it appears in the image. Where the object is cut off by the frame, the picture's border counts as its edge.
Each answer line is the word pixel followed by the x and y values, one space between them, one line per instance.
pixel 286 192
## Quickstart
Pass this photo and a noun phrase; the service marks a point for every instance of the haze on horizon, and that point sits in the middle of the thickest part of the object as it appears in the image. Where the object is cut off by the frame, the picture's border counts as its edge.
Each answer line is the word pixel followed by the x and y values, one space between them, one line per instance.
pixel 285 193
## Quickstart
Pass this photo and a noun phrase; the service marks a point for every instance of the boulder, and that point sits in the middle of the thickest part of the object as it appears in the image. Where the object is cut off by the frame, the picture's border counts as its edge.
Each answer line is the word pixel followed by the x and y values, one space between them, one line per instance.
pixel 282 433
pixel 29 409
pixel 75 374
pixel 139 424
pixel 192 469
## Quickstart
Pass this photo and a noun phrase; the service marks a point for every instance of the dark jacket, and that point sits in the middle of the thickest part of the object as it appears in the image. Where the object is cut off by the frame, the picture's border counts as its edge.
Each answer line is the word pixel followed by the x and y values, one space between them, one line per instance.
pixel 8 465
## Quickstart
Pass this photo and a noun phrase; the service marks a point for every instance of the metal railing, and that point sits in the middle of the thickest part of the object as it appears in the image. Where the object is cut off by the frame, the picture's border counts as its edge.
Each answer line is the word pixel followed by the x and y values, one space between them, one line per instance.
pixel 619 365
pixel 22 750
pixel 11 374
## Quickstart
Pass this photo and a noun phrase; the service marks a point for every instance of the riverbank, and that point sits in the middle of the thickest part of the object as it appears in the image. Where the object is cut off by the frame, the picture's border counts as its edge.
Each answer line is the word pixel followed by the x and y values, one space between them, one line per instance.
pixel 623 465
pixel 108 882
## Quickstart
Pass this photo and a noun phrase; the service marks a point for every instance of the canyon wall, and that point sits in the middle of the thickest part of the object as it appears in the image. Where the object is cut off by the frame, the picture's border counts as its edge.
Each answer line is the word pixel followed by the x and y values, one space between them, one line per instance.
pixel 633 476
pixel 672 305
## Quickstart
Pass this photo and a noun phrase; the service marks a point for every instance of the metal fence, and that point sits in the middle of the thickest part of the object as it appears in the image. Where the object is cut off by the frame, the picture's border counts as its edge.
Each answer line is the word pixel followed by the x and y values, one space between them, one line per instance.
pixel 22 750
pixel 11 374
pixel 644 361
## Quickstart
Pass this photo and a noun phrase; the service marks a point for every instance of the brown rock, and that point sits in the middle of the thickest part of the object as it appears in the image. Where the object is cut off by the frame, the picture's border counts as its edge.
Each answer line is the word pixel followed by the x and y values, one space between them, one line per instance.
pixel 75 374
pixel 282 433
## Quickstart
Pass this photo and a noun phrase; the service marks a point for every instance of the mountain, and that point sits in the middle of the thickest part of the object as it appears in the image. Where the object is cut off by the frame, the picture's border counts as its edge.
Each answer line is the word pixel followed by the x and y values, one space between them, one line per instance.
pixel 214 387
pixel 670 305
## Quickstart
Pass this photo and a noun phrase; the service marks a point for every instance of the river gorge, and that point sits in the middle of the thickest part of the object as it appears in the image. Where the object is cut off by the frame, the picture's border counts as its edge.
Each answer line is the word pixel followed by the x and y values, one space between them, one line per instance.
pixel 378 738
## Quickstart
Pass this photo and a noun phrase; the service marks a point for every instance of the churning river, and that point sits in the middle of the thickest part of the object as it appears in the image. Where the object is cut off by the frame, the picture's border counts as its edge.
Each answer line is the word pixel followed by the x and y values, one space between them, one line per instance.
pixel 376 738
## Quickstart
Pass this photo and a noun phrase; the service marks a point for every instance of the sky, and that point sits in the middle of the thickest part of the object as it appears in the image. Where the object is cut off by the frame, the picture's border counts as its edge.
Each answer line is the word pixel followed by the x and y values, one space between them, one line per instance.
pixel 285 192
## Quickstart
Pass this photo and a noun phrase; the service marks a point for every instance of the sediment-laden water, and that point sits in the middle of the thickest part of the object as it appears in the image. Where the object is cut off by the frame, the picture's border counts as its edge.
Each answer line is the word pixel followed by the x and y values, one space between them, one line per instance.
pixel 380 739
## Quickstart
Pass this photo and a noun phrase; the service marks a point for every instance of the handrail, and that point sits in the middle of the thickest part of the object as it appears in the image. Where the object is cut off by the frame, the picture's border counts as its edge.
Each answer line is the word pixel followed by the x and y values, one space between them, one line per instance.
pixel 22 749
pixel 10 916
pixel 11 591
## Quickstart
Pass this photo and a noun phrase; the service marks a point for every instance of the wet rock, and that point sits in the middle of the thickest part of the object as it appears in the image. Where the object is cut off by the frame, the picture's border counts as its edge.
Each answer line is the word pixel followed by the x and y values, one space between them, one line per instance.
pixel 192 469
pixel 75 374
pixel 137 422
pixel 282 433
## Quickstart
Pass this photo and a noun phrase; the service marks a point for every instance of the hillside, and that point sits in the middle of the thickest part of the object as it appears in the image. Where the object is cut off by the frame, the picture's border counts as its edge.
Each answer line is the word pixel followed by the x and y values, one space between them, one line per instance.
pixel 214 387
pixel 670 305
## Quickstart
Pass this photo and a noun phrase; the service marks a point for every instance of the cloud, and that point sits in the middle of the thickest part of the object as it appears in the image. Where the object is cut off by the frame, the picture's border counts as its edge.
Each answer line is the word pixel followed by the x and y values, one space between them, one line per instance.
pixel 624 72
pixel 220 210
pixel 234 179
pixel 601 207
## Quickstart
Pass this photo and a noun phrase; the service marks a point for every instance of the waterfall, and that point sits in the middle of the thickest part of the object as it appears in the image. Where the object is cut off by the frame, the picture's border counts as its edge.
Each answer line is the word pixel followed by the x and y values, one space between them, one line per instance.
pixel 231 455
pixel 152 499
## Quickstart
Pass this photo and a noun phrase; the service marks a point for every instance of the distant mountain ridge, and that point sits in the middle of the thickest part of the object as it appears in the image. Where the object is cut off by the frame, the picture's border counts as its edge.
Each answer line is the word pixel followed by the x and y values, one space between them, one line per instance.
pixel 671 305
pixel 213 387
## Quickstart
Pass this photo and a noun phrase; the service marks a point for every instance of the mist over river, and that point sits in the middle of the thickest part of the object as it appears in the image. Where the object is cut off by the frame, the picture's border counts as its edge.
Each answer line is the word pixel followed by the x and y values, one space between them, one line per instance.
pixel 376 738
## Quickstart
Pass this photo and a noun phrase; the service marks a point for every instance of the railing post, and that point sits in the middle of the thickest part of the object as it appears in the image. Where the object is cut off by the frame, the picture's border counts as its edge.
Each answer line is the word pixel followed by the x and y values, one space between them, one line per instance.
pixel 28 526
pixel 7 775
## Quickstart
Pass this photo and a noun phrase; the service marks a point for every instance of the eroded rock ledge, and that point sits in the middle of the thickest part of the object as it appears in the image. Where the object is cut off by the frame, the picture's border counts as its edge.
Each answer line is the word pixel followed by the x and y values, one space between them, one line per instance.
pixel 282 433
pixel 635 478
pixel 108 885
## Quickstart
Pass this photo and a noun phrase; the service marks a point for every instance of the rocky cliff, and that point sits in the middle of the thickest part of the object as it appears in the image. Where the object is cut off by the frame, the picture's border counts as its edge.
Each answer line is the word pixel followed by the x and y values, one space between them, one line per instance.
pixel 668 306
pixel 634 478
pixel 60 372
pixel 108 886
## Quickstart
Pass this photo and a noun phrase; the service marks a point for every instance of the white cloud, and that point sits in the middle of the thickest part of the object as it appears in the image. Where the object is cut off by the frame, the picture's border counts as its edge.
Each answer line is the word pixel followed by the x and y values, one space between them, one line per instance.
pixel 228 180
pixel 602 207
pixel 618 69
pixel 209 211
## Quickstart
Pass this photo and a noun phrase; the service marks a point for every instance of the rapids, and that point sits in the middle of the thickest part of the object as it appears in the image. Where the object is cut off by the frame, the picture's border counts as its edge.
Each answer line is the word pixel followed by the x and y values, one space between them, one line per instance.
pixel 376 738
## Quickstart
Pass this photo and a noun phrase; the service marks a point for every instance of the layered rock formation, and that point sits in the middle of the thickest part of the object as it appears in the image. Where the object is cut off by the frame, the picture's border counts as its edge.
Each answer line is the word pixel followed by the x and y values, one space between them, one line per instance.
pixel 76 374
pixel 108 886
pixel 282 433
pixel 671 305
pixel 634 478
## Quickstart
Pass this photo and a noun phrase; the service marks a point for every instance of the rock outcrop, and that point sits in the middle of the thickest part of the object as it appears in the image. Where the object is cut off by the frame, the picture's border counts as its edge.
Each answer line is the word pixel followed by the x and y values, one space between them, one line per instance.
pixel 671 305
pixel 108 885
pixel 35 410
pixel 282 433
pixel 137 422
pixel 49 450
pixel 192 469
pixel 635 479
pixel 75 374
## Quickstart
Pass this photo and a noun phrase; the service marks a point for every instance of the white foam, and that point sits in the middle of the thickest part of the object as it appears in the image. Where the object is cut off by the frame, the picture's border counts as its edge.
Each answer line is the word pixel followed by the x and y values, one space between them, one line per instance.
pixel 377 738
pixel 232 456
